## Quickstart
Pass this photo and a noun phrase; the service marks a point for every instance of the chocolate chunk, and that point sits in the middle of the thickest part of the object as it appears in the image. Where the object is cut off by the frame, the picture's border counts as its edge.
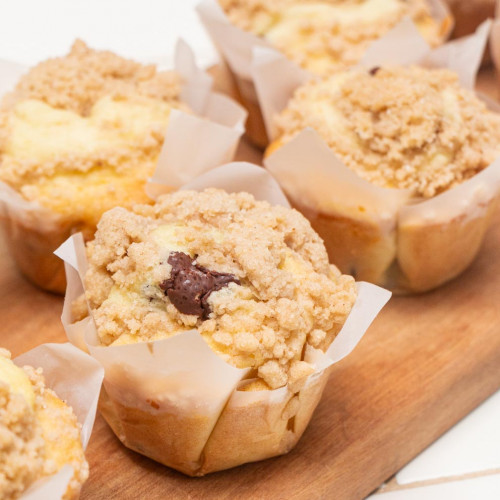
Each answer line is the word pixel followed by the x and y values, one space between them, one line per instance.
pixel 190 285
pixel 375 70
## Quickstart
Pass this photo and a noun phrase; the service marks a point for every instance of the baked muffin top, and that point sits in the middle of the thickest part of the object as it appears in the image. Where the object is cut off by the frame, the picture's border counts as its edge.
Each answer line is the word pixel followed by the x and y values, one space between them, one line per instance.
pixel 38 432
pixel 76 81
pixel 90 117
pixel 328 35
pixel 398 127
pixel 252 278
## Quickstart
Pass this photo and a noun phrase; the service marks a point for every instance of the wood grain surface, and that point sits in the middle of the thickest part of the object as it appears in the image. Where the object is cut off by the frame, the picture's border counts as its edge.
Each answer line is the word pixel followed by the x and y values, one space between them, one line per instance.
pixel 425 363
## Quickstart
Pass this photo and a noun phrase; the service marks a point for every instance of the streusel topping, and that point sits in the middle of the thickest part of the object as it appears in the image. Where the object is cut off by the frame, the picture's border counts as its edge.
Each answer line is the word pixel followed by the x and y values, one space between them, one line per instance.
pixel 328 35
pixel 30 429
pixel 411 128
pixel 78 80
pixel 254 279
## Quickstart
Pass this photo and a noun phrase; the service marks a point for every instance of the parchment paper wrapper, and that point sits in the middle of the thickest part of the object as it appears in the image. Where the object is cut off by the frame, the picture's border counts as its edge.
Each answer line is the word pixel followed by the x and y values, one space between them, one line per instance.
pixel 176 401
pixel 377 234
pixel 204 140
pixel 236 48
pixel 76 378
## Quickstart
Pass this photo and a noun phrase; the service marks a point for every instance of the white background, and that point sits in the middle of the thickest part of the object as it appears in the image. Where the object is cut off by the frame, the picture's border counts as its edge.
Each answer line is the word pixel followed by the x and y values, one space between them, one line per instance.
pixel 32 30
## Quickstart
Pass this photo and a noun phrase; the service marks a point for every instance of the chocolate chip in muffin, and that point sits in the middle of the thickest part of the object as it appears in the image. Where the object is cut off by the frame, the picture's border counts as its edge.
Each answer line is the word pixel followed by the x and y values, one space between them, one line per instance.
pixel 190 285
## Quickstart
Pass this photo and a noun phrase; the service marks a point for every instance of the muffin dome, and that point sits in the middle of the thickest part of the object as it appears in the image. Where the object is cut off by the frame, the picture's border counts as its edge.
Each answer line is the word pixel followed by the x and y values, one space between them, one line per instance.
pixel 409 128
pixel 252 278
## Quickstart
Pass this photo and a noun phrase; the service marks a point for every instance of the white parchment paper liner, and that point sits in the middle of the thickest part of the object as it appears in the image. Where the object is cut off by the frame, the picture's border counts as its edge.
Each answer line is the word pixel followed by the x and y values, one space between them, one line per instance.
pixel 76 378
pixel 203 140
pixel 183 376
pixel 328 186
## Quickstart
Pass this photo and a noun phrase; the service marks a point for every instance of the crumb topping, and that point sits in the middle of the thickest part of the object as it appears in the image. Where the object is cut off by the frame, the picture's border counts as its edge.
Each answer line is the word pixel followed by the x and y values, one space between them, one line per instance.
pixel 89 118
pixel 78 80
pixel 325 36
pixel 29 434
pixel 278 291
pixel 409 128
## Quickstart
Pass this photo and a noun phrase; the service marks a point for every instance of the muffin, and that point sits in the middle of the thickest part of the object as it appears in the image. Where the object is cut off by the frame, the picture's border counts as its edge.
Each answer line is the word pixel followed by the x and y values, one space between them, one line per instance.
pixel 80 134
pixel 213 315
pixel 409 134
pixel 322 36
pixel 39 432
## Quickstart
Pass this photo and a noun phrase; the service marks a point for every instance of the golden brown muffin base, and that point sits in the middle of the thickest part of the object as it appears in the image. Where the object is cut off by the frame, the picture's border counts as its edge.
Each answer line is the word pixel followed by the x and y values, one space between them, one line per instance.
pixel 191 444
pixel 169 437
pixel 258 431
pixel 357 247
pixel 33 251
pixel 432 254
pixel 414 258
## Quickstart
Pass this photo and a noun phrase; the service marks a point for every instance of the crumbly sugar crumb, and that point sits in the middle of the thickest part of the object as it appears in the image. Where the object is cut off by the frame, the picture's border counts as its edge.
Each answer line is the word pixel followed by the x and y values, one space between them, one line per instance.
pixel 410 128
pixel 283 289
pixel 76 81
pixel 341 39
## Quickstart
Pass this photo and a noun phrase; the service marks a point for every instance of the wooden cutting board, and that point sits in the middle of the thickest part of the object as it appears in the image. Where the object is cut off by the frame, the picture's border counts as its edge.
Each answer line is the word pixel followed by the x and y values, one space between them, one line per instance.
pixel 425 363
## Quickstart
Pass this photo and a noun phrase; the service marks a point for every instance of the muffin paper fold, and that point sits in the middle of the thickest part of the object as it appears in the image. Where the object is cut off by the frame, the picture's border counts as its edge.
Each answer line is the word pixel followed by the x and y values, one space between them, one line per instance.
pixel 177 401
pixel 215 129
pixel 409 245
pixel 204 140
pixel 76 378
